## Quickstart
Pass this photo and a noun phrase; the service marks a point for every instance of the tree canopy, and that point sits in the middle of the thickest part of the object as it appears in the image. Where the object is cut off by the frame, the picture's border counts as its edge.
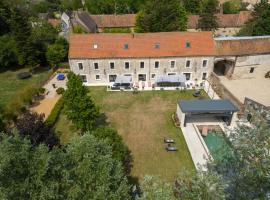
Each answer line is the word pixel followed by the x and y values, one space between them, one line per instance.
pixel 208 20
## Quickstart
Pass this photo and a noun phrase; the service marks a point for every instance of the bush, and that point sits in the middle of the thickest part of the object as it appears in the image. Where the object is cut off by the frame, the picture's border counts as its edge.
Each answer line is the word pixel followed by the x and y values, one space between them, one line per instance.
pixel 232 7
pixel 117 30
pixel 27 94
pixel 24 75
pixel 267 75
pixel 60 90
pixel 52 118
pixel 41 90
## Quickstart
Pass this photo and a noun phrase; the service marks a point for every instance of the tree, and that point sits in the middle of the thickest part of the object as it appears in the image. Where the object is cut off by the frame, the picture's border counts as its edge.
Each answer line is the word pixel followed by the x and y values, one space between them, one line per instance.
pixel 120 151
pixel 246 170
pixel 161 15
pixel 79 107
pixel 193 6
pixel 8 56
pixel 232 7
pixel 32 126
pixel 260 22
pixel 208 19
pixel 55 54
pixel 4 16
pixel 84 170
pixel 2 124
pixel 71 4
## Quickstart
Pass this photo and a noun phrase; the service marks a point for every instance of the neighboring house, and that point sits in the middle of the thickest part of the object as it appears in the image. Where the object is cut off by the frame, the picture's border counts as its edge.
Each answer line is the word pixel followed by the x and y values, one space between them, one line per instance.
pixel 100 58
pixel 228 24
pixel 83 19
pixel 66 21
pixel 114 21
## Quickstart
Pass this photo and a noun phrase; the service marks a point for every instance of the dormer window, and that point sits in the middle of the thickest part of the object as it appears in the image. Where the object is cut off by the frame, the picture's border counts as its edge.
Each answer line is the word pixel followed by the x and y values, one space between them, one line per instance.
pixel 95 46
pixel 157 46
pixel 188 45
pixel 126 46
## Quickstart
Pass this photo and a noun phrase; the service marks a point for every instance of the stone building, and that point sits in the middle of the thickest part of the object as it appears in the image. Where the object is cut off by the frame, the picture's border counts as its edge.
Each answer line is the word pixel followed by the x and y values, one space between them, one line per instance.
pixel 100 58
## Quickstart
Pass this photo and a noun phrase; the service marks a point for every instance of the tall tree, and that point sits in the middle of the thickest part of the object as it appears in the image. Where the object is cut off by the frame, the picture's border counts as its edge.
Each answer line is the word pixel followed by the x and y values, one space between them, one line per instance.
pixel 193 6
pixel 161 15
pixel 208 19
pixel 246 169
pixel 79 107
pixel 32 126
pixel 8 56
pixel 260 22
pixel 84 170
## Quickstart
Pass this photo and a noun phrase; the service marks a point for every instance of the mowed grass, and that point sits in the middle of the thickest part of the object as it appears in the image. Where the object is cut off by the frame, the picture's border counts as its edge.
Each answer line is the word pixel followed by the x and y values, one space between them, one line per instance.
pixel 143 120
pixel 10 86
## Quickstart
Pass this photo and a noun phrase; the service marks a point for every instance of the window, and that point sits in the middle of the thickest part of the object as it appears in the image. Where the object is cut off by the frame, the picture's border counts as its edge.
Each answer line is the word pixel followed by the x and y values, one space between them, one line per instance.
pixel 126 46
pixel 172 63
pixel 156 64
pixel 188 45
pixel 112 65
pixel 127 65
pixel 188 63
pixel 204 76
pixel 171 74
pixel 96 65
pixel 112 78
pixel 157 45
pixel 188 76
pixel 251 70
pixel 97 77
pixel 153 76
pixel 142 77
pixel 204 63
pixel 80 65
pixel 84 78
pixel 95 46
pixel 142 65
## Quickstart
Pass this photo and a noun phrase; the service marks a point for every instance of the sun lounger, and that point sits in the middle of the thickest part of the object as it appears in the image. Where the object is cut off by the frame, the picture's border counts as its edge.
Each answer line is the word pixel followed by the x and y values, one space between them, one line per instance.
pixel 171 148
pixel 168 140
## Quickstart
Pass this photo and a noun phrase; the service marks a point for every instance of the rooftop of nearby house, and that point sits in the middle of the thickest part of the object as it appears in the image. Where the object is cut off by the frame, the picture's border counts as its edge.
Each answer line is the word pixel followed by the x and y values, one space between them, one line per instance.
pixel 114 21
pixel 141 45
pixel 87 21
pixel 224 20
pixel 242 45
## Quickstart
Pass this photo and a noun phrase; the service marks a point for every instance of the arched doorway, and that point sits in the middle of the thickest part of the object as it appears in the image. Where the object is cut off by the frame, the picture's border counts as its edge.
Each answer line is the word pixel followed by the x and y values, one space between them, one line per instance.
pixel 223 67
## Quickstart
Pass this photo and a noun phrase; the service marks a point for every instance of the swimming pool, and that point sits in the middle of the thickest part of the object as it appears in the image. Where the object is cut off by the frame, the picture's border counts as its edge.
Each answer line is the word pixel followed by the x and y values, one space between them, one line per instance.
pixel 217 144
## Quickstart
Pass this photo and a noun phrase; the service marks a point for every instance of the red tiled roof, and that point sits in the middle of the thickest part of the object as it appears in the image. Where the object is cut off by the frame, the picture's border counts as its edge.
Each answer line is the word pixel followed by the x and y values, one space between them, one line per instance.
pixel 172 44
pixel 224 20
pixel 114 21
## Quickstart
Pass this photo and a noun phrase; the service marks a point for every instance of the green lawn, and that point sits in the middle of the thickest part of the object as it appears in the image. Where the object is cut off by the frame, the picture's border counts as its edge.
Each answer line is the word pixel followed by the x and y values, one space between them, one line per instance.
pixel 143 120
pixel 10 86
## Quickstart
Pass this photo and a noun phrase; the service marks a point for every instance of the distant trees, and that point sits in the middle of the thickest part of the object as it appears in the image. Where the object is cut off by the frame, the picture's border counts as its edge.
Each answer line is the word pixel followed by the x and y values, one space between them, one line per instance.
pixel 32 126
pixel 84 170
pixel 193 6
pixel 79 107
pixel 161 15
pixel 208 20
pixel 8 55
pixel 260 23
pixel 232 7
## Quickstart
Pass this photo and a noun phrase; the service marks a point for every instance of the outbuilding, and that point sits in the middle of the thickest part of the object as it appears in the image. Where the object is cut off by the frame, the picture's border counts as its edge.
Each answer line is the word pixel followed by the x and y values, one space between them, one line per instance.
pixel 221 109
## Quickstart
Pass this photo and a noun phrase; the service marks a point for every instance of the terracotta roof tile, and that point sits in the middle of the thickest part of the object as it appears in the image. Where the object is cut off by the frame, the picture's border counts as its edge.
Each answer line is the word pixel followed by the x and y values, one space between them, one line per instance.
pixel 141 45
pixel 114 21
pixel 242 46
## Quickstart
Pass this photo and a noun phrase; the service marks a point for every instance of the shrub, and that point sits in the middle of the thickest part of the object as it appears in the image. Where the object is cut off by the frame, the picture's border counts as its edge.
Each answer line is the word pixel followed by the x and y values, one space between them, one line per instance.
pixel 60 90
pixel 27 94
pixel 24 75
pixel 52 118
pixel 117 30
pixel 267 75
pixel 232 7
pixel 41 90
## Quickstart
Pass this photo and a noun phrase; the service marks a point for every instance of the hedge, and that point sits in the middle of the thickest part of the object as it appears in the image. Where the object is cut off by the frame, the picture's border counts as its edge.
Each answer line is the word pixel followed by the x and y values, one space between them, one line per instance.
pixel 52 118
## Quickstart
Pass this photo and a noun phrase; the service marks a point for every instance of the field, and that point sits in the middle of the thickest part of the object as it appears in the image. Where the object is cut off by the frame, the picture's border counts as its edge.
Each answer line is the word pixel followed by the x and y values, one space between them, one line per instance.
pixel 11 86
pixel 143 120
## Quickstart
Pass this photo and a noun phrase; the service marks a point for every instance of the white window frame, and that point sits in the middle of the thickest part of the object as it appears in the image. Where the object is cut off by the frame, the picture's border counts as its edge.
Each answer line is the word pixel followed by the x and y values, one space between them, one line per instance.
pixel 142 74
pixel 170 62
pixel 79 66
pixel 206 63
pixel 111 75
pixel 143 64
pixel 96 77
pixel 188 73
pixel 128 65
pixel 94 65
pixel 190 66
pixel 152 77
pixel 85 76
pixel 155 64
pixel 113 64
pixel 205 77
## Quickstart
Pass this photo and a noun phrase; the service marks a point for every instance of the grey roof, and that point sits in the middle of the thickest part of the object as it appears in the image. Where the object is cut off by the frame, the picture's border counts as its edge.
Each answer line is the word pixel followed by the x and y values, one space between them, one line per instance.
pixel 123 79
pixel 206 106
pixel 171 78
pixel 87 21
